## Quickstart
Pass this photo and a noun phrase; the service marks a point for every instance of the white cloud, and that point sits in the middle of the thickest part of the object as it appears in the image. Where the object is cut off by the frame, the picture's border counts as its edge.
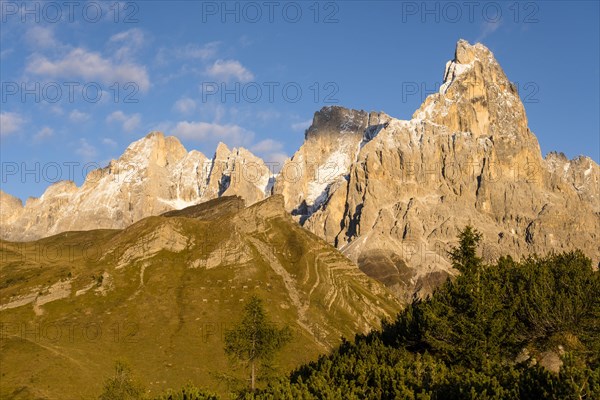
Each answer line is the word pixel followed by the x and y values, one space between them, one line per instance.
pixel 185 105
pixel 56 110
pixel 219 112
pixel 41 37
pixel 233 135
pixel 78 116
pixel 271 151
pixel 488 28
pixel 10 122
pixel 275 161
pixel 109 142
pixel 204 52
pixel 130 42
pixel 86 150
pixel 5 53
pixel 189 51
pixel 267 115
pixel 228 70
pixel 44 133
pixel 133 36
pixel 129 123
pixel 267 145
pixel 301 126
pixel 80 63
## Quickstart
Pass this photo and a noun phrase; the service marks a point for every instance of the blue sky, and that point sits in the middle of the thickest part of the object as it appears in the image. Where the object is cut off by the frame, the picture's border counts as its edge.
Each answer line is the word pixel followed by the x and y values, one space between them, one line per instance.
pixel 80 82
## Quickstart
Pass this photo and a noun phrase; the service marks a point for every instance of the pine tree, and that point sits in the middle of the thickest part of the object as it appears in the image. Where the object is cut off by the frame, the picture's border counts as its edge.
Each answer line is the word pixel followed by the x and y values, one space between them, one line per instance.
pixel 464 257
pixel 255 339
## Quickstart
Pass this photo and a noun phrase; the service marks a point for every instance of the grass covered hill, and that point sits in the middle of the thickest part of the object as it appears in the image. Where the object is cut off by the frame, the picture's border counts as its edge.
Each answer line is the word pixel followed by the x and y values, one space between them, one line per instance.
pixel 161 293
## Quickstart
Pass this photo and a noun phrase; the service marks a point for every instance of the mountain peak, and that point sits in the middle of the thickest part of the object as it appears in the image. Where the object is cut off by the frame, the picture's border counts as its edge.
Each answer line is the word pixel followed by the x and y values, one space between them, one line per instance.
pixel 476 97
pixel 156 148
pixel 222 151
pixel 465 56
pixel 466 53
pixel 154 135
pixel 10 206
pixel 336 120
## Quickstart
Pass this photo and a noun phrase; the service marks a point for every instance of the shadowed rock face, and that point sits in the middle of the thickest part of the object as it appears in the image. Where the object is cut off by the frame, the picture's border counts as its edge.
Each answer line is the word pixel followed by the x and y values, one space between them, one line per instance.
pixel 386 267
pixel 329 120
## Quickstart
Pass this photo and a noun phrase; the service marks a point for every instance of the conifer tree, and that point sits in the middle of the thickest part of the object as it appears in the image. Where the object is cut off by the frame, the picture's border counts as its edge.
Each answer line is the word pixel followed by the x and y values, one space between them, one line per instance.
pixel 255 340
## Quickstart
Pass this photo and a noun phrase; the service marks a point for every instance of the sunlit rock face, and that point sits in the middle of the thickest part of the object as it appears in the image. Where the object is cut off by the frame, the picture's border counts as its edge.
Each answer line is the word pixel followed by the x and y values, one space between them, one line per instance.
pixel 402 189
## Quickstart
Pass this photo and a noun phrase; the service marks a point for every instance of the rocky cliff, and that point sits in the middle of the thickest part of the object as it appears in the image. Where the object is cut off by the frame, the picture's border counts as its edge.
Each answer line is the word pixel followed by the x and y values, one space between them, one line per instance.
pixel 403 189
pixel 390 194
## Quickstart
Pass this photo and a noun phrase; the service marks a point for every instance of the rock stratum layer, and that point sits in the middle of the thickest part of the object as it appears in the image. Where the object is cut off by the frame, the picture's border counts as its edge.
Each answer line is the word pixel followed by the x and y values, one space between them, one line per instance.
pixel 390 194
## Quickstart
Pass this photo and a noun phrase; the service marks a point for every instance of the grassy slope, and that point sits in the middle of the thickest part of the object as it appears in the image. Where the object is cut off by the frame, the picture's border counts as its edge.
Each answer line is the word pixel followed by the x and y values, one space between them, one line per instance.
pixel 163 317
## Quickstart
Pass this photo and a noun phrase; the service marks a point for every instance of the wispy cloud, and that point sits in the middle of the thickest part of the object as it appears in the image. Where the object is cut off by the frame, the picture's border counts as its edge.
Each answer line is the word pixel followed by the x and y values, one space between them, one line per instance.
pixel 184 106
pixel 271 151
pixel 190 51
pixel 5 53
pixel 301 126
pixel 77 116
pixel 128 43
pixel 134 37
pixel 267 115
pixel 267 145
pixel 43 134
pixel 10 122
pixel 109 142
pixel 41 37
pixel 202 52
pixel 227 70
pixel 56 109
pixel 231 134
pixel 86 150
pixel 487 29
pixel 129 123
pixel 91 66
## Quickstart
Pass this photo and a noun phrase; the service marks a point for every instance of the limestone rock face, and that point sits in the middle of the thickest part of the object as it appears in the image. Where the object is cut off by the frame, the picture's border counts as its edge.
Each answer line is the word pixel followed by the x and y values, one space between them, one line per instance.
pixel 10 208
pixel 581 174
pixel 155 174
pixel 245 175
pixel 405 188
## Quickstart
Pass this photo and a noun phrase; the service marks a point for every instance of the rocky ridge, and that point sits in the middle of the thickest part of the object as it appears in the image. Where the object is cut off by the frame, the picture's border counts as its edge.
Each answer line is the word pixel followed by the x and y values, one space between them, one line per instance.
pixel 154 175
